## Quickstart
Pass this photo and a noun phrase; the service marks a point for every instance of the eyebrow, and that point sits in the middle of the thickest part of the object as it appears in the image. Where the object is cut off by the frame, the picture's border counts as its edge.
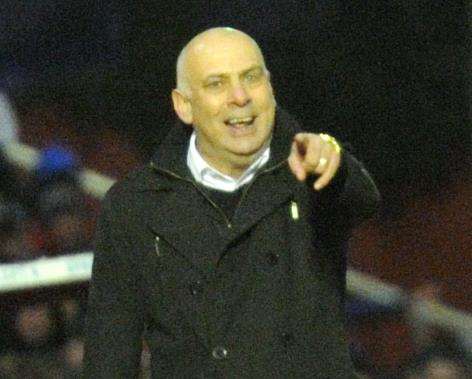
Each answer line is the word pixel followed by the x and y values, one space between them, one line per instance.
pixel 222 75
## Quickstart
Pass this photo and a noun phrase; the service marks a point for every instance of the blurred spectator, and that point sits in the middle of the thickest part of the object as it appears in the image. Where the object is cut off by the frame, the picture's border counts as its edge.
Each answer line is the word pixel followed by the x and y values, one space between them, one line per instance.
pixel 72 355
pixel 373 330
pixel 444 357
pixel 61 203
pixel 31 334
pixel 16 206
pixel 72 312
pixel 57 163
pixel 14 228
pixel 437 366
pixel 428 293
pixel 426 335
pixel 42 340
pixel 36 329
pixel 63 212
pixel 440 353
pixel 13 182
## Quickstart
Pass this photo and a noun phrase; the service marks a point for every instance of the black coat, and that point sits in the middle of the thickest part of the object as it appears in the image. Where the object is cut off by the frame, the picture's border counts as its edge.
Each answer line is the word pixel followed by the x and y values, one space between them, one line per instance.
pixel 257 296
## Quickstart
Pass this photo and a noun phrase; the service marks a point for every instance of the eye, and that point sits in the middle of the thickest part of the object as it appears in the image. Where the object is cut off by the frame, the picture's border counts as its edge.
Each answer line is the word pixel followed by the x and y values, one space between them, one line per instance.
pixel 214 84
pixel 253 76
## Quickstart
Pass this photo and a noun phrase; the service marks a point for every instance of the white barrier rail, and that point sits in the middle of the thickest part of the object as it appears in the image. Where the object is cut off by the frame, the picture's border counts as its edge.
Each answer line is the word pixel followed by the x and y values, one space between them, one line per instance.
pixel 44 272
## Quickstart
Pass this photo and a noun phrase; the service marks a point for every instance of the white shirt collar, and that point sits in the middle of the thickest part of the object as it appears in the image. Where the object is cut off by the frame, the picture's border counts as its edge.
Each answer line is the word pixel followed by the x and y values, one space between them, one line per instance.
pixel 209 177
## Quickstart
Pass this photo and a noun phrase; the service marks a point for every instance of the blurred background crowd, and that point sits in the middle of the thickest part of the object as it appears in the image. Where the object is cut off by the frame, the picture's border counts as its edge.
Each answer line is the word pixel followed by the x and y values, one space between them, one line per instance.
pixel 88 87
pixel 44 212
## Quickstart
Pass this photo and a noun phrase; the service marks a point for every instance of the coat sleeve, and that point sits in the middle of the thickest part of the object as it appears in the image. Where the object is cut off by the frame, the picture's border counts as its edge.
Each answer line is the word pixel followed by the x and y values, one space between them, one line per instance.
pixel 114 313
pixel 359 195
pixel 352 196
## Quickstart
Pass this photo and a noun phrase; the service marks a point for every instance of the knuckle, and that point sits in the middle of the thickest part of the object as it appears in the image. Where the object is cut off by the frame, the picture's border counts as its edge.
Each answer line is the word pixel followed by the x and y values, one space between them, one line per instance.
pixel 311 160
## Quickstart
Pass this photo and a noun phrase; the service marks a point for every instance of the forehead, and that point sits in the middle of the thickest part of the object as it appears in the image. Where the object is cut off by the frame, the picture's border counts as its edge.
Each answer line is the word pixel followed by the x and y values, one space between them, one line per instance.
pixel 217 55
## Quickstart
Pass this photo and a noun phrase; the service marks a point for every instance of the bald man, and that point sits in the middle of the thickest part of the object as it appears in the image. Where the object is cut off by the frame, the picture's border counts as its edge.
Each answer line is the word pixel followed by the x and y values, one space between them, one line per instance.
pixel 226 253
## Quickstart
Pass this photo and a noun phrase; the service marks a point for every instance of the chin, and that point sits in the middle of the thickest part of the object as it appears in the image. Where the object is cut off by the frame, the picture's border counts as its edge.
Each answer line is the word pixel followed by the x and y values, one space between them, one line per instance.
pixel 248 150
pixel 248 146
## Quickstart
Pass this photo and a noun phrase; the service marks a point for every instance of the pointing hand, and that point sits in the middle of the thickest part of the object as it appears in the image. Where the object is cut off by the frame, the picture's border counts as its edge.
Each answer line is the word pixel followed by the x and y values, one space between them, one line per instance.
pixel 318 154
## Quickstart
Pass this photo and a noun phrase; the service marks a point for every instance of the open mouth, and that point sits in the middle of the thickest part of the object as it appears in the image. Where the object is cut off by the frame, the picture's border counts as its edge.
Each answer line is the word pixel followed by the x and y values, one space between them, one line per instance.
pixel 240 122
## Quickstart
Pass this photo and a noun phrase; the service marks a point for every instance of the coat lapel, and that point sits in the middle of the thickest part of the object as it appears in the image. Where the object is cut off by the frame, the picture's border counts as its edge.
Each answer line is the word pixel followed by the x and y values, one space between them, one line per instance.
pixel 269 192
pixel 274 185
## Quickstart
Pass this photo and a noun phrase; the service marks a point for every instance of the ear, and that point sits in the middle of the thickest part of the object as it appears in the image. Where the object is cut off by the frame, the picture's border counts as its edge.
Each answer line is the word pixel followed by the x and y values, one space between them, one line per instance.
pixel 182 106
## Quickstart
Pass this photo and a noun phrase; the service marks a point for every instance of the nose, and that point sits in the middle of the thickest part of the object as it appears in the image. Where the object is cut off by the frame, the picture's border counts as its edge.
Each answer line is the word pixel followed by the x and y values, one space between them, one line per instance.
pixel 239 96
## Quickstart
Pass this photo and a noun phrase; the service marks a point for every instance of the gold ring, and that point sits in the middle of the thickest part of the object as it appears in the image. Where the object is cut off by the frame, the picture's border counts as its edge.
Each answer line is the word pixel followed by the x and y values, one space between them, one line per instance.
pixel 322 162
pixel 331 140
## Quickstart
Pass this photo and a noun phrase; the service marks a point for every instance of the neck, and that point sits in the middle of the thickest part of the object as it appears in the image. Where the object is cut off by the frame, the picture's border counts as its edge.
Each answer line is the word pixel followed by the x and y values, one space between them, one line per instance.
pixel 234 167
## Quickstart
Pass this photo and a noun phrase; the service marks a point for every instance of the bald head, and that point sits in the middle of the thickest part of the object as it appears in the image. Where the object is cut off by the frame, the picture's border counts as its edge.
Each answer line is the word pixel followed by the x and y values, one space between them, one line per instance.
pixel 224 93
pixel 208 43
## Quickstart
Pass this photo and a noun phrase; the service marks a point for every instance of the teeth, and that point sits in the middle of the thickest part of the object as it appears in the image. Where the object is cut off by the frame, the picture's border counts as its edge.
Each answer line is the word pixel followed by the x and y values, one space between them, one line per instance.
pixel 234 121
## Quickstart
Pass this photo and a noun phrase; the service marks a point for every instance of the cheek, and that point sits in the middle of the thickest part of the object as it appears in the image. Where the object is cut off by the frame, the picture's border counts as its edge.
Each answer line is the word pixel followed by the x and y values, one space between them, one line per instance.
pixel 206 105
pixel 216 111
pixel 265 98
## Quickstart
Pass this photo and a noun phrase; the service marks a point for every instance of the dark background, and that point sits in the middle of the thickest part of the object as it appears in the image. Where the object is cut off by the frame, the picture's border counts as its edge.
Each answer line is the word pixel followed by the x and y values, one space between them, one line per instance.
pixel 387 76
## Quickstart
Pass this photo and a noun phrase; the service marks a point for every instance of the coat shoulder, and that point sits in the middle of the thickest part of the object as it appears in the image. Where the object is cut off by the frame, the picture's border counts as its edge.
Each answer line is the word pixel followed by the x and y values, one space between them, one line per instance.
pixel 124 193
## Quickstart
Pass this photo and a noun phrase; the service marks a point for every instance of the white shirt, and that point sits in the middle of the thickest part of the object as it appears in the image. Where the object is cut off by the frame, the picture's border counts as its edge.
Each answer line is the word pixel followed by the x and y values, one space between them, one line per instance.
pixel 209 177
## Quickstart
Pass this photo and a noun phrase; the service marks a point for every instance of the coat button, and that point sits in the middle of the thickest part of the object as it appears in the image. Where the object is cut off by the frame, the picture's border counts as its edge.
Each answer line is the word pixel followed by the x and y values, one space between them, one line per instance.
pixel 219 352
pixel 272 259
pixel 287 339
pixel 196 288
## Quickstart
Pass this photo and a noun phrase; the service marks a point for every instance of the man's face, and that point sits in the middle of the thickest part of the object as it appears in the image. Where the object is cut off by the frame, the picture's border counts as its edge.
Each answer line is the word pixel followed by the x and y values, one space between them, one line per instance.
pixel 231 99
